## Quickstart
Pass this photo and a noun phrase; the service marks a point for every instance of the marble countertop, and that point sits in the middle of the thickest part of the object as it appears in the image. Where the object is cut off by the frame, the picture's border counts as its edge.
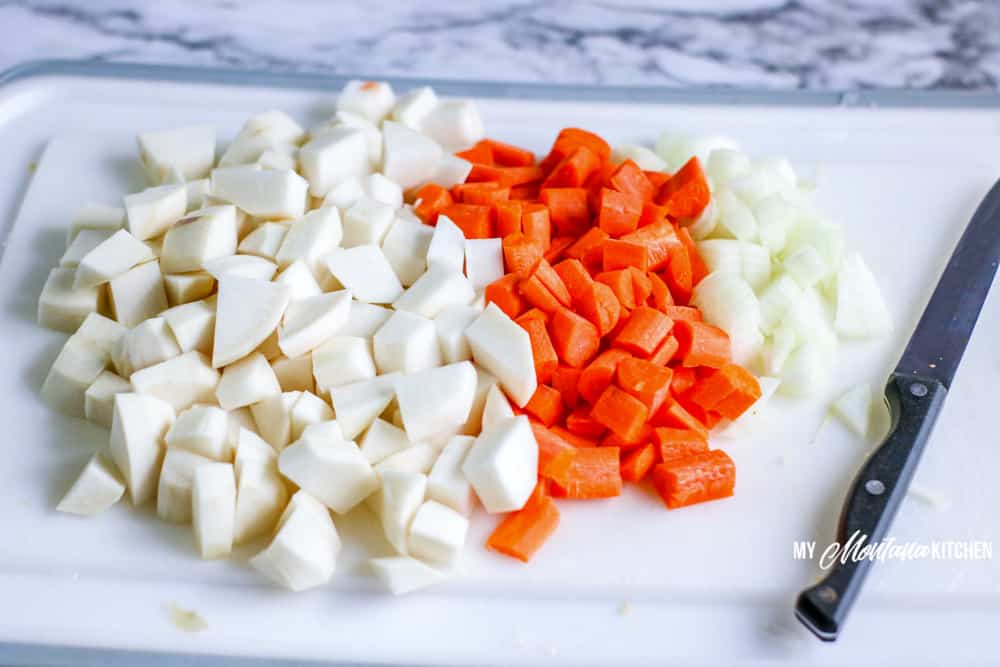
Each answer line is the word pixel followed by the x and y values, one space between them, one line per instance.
pixel 780 44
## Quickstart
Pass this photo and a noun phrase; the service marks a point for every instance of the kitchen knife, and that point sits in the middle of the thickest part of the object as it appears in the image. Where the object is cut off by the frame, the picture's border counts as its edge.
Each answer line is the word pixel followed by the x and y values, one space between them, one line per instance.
pixel 915 392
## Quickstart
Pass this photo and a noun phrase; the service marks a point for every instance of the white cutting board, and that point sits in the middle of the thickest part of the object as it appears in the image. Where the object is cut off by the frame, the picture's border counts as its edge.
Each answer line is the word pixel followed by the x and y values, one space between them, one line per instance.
pixel 622 581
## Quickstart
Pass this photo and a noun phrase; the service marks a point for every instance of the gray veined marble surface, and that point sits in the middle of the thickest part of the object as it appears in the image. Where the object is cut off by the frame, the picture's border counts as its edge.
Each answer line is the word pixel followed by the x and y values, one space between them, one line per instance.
pixel 943 44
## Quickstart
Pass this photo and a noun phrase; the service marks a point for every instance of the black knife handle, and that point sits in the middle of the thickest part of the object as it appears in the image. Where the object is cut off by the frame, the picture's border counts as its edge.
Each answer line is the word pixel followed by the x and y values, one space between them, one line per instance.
pixel 875 496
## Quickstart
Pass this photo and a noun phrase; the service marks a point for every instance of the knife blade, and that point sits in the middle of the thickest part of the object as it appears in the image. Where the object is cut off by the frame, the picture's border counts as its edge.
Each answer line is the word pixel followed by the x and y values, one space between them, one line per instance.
pixel 915 392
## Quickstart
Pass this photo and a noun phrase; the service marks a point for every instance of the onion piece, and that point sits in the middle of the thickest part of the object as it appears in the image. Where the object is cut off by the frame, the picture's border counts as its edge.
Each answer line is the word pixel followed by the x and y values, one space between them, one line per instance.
pixel 735 217
pixel 854 408
pixel 861 312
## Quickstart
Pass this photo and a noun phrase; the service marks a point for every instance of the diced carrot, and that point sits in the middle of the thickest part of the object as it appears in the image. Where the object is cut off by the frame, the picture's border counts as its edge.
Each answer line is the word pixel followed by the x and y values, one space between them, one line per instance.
pixel 665 352
pixel 557 248
pixel 678 273
pixel 431 199
pixel 600 306
pixel 544 354
pixel 576 340
pixel 678 443
pixel 620 282
pixel 648 382
pixel 642 285
pixel 627 177
pixel 672 413
pixel 644 332
pixel 623 317
pixel 730 391
pixel 638 462
pixel 618 212
pixel 504 293
pixel 568 209
pixel 573 170
pixel 578 441
pixel 644 436
pixel 520 254
pixel 576 278
pixel 701 344
pixel 698 267
pixel 620 412
pixel 567 381
pixel 536 224
pixel 600 373
pixel 686 194
pixel 545 405
pixel 508 214
pixel 558 467
pixel 571 138
pixel 538 295
pixel 550 444
pixel 485 194
pixel 659 238
pixel 591 473
pixel 484 173
pixel 522 533
pixel 526 192
pixel 481 153
pixel 532 314
pixel 617 254
pixel 591 240
pixel 659 293
pixel 688 313
pixel 656 178
pixel 507 155
pixel 652 214
pixel 475 220
pixel 553 282
pixel 505 177
pixel 581 423
pixel 696 479
pixel 684 379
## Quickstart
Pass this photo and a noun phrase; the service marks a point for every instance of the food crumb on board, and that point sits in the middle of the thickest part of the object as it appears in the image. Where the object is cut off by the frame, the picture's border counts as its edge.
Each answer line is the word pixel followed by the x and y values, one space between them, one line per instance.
pixel 186 619
pixel 928 497
pixel 32 166
pixel 624 609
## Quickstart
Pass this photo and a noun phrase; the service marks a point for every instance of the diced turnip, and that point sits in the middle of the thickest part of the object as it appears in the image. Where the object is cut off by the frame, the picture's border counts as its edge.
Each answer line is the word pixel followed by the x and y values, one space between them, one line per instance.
pixel 451 324
pixel 79 364
pixel 402 574
pixel 264 193
pixel 335 472
pixel 189 150
pixel 502 465
pixel 405 246
pixel 98 486
pixel 264 241
pixel 99 399
pixel 111 258
pixel 308 323
pixel 294 374
pixel 437 400
pixel 261 496
pixel 447 483
pixel 277 159
pixel 400 497
pixel 451 171
pixel 324 431
pixel 101 331
pixel 151 342
pixel 198 238
pixel 137 429
pixel 246 381
pixel 311 237
pixel 247 312
pixel 447 248
pixel 406 343
pixel 334 156
pixel 240 418
pixel 202 430
pixel 151 212
pixel 187 287
pixel 181 381
pixel 138 294
pixel 192 325
pixel 454 124
pixel 504 349
pixel 417 458
pixel 359 403
pixel 408 157
pixel 366 272
pixel 644 157
pixel 438 288
pixel 413 107
pixel 365 319
pixel 484 380
pixel 496 409
pixel 274 124
pixel 342 360
pixel 483 261
pixel 367 222
pixel 196 192
pixel 242 266
pixel 273 416
pixel 344 194
pixel 373 135
pixel 213 509
pixel 307 411
pixel 251 448
pixel 248 149
pixel 861 312
pixel 85 241
pixel 371 99
pixel 96 216
pixel 382 440
pixel 381 189
pixel 437 533
pixel 303 552
pixel 63 307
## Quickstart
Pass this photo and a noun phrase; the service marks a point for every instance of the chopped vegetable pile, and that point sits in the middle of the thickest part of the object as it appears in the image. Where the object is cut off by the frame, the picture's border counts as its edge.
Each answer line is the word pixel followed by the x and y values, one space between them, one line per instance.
pixel 391 314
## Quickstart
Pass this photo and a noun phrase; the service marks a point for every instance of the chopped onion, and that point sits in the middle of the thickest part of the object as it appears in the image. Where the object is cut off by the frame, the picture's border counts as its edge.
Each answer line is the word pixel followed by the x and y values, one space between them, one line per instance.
pixel 735 217
pixel 642 156
pixel 722 255
pixel 806 265
pixel 705 223
pixel 807 370
pixel 854 408
pixel 677 148
pixel 776 217
pixel 861 312
pixel 725 164
pixel 756 262
pixel 778 348
pixel 727 301
pixel 776 300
